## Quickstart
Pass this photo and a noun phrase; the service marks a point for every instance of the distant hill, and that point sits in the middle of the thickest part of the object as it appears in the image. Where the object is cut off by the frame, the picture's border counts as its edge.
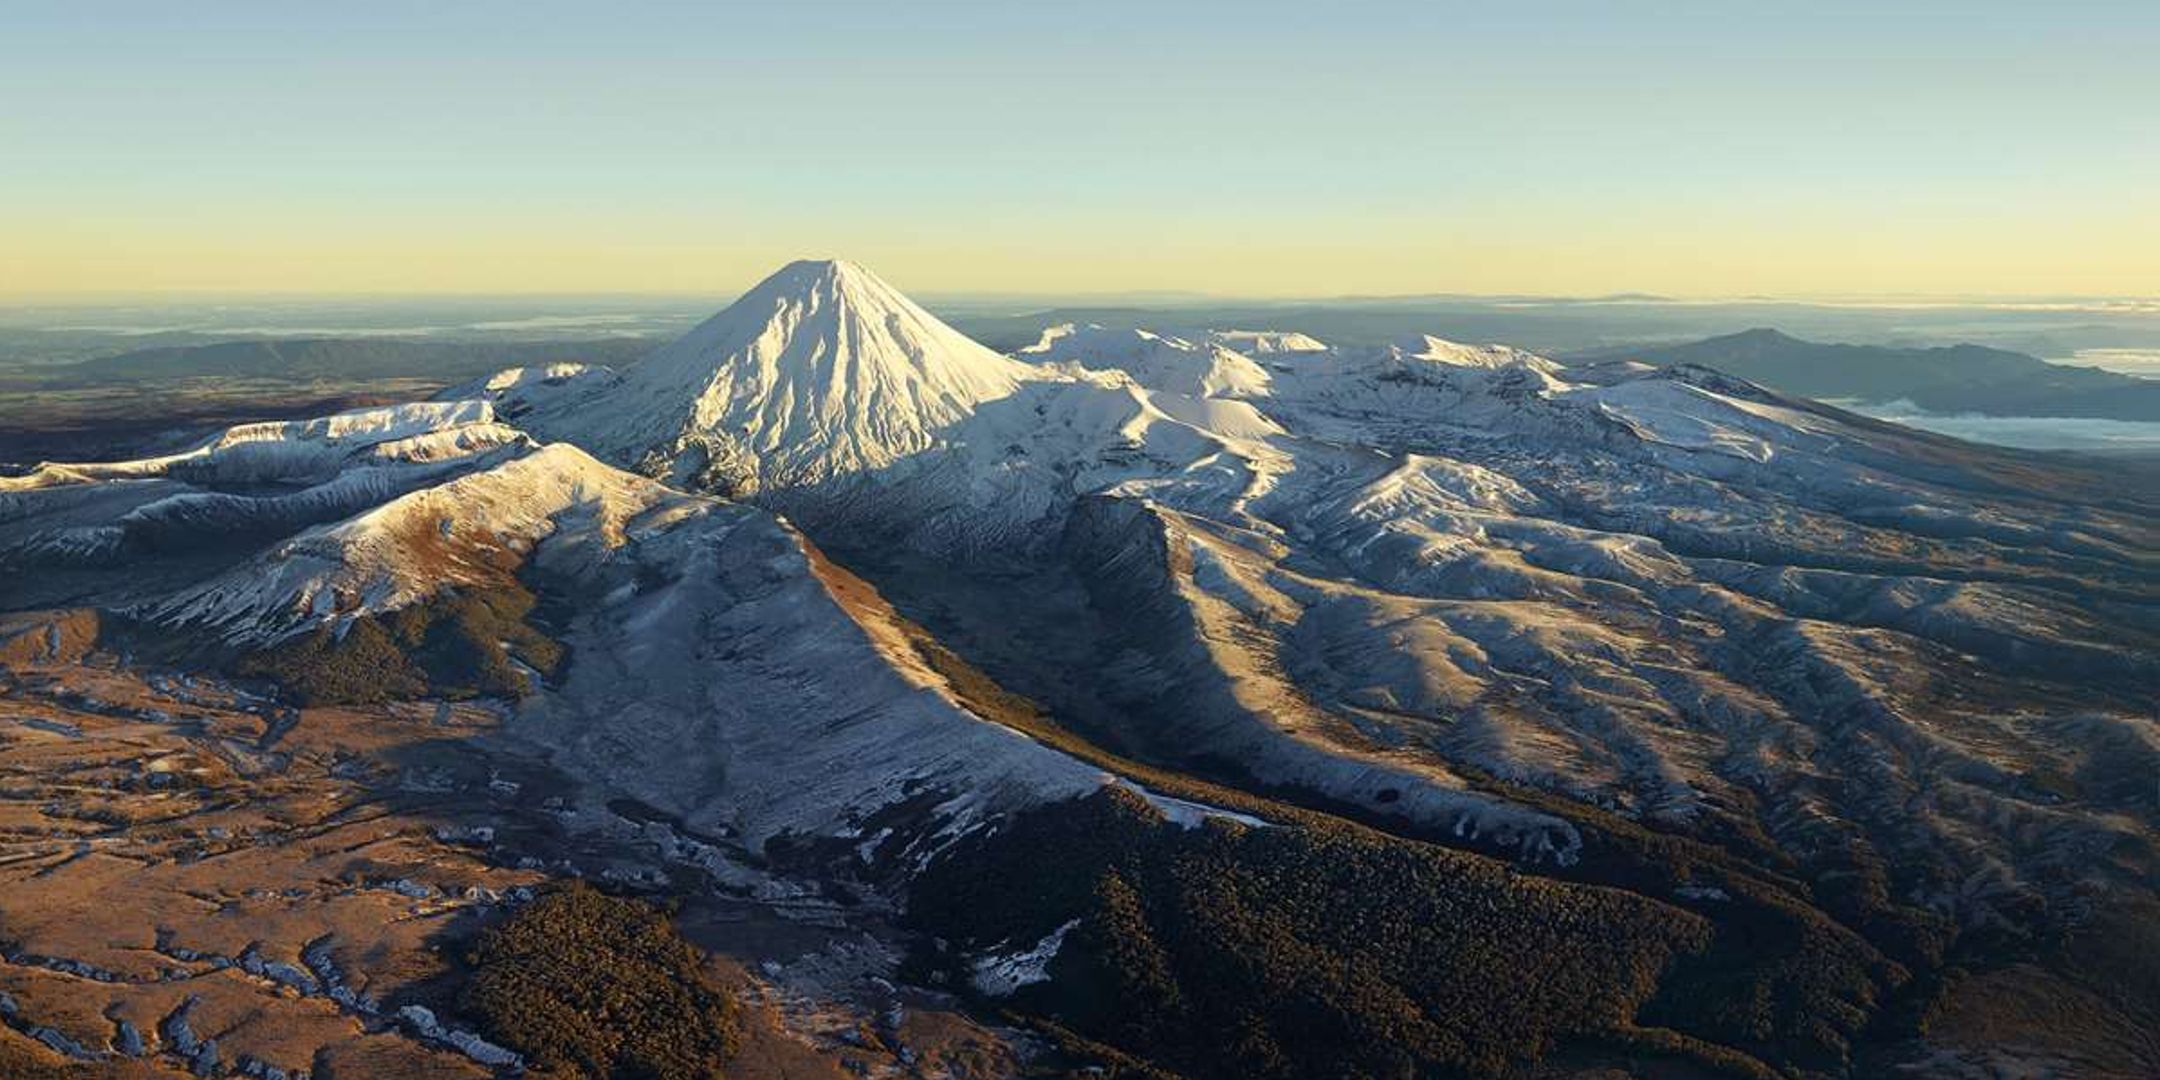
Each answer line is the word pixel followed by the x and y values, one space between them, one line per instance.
pixel 347 359
pixel 1950 379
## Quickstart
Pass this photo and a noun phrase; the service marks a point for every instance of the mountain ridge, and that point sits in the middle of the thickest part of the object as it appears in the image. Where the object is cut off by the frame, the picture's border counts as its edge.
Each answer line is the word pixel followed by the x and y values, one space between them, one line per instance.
pixel 1946 379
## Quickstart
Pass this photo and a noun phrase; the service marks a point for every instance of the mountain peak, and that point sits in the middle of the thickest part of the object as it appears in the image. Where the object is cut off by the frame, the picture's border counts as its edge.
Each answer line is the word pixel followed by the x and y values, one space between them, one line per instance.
pixel 813 272
pixel 831 280
pixel 821 369
pixel 1762 335
pixel 1457 354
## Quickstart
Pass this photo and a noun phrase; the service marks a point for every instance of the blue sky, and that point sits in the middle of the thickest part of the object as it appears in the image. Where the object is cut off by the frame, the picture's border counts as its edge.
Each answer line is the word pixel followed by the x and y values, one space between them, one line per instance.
pixel 1699 149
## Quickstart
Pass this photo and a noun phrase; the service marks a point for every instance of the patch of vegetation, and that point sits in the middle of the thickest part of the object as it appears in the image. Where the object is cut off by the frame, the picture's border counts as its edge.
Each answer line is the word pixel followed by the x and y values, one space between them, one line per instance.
pixel 361 666
pixel 460 643
pixel 2090 998
pixel 1229 951
pixel 1779 978
pixel 1783 978
pixel 603 987
pixel 22 1059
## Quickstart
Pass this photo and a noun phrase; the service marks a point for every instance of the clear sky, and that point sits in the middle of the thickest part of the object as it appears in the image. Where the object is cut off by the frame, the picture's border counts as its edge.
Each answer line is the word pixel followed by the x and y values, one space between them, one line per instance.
pixel 1256 148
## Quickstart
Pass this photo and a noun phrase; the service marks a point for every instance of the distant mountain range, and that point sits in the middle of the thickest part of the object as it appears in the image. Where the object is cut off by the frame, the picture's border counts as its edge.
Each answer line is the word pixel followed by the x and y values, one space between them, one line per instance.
pixel 1949 379
pixel 347 358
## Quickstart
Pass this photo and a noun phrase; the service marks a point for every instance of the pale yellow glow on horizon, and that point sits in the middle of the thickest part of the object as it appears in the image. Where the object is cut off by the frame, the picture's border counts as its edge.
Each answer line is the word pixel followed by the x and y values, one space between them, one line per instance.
pixel 2098 253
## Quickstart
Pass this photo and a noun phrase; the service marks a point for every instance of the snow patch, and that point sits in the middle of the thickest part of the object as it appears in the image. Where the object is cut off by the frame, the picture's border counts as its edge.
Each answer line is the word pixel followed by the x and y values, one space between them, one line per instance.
pixel 1001 974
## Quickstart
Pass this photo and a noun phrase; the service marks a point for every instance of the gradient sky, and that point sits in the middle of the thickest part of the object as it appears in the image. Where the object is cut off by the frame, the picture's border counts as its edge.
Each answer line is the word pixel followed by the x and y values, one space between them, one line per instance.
pixel 1703 149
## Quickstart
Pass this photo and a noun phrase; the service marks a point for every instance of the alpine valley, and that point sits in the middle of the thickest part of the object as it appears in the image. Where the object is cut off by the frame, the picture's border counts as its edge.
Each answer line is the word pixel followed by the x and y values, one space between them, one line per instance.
pixel 1133 704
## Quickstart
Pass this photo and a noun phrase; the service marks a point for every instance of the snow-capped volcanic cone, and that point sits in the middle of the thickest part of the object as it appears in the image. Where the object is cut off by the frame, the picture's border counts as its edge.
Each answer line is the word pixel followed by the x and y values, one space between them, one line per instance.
pixel 819 371
pixel 825 393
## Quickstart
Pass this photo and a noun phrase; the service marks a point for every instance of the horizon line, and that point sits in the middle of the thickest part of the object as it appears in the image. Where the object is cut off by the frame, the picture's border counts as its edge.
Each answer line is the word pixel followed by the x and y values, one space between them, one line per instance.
pixel 93 297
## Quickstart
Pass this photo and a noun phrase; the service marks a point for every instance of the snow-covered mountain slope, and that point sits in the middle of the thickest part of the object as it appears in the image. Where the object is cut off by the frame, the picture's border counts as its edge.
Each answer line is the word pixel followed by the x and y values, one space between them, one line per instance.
pixel 1680 596
pixel 1459 621
pixel 719 669
pixel 1407 388
pixel 1265 342
pixel 1385 574
pixel 724 674
pixel 119 532
pixel 826 394
pixel 1410 352
pixel 820 371
pixel 513 392
pixel 716 673
pixel 1349 394
pixel 296 450
pixel 1168 364
pixel 475 530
